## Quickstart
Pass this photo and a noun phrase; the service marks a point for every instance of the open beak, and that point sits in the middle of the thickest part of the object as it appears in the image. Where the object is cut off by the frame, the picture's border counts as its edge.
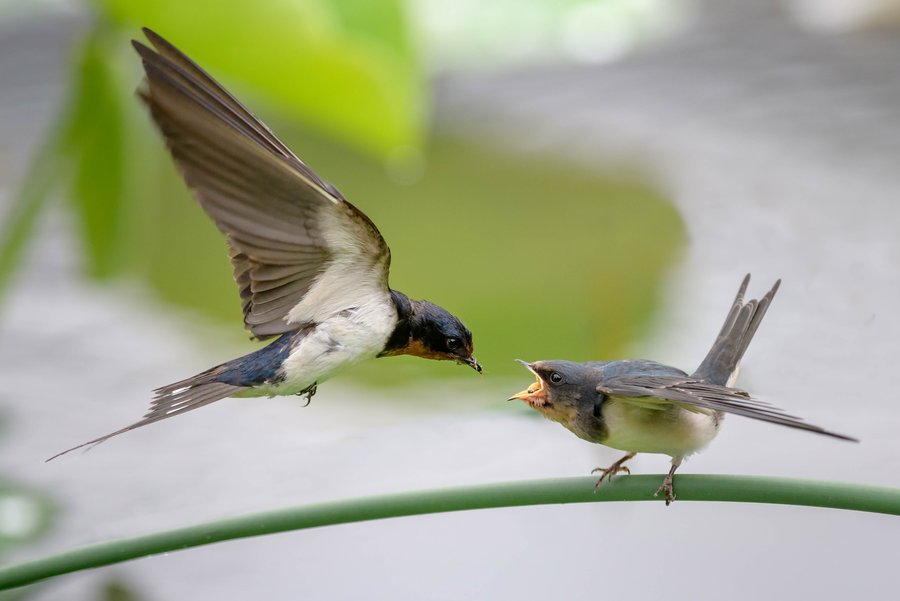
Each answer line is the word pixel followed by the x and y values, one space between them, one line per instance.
pixel 473 363
pixel 533 395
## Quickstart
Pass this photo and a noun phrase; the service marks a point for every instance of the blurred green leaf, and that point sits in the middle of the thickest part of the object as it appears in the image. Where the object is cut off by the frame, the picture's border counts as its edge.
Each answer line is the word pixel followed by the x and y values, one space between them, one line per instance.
pixel 94 139
pixel 43 174
pixel 184 256
pixel 540 258
pixel 117 590
pixel 23 516
pixel 346 67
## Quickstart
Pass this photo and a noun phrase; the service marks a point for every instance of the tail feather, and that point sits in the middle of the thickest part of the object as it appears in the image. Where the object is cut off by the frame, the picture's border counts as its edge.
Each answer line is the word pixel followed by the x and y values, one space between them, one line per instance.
pixel 170 401
pixel 219 382
pixel 721 363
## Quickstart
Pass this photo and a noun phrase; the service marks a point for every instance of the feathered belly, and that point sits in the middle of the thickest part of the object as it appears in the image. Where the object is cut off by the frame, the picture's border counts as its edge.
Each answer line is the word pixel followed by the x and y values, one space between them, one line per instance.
pixel 671 430
pixel 334 345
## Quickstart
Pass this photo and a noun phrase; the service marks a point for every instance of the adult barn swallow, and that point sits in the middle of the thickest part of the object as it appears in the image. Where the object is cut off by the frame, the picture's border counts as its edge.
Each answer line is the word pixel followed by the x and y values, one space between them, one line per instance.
pixel 312 269
pixel 641 406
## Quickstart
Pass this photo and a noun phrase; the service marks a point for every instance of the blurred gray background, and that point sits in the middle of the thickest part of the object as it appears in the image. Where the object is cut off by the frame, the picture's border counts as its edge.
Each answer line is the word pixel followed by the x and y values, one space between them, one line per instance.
pixel 771 126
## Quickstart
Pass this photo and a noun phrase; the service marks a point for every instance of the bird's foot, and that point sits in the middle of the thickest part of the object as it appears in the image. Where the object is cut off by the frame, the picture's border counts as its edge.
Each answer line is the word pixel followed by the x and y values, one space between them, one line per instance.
pixel 606 473
pixel 668 489
pixel 309 392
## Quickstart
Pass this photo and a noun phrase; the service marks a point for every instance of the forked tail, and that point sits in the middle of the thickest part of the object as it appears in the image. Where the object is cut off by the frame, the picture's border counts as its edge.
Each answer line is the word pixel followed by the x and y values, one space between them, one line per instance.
pixel 225 380
pixel 721 363
pixel 170 401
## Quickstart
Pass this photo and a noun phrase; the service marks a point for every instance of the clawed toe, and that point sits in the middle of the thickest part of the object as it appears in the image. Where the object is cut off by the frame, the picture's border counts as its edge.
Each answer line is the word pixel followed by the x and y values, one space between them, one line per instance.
pixel 668 489
pixel 606 473
pixel 309 393
pixel 609 471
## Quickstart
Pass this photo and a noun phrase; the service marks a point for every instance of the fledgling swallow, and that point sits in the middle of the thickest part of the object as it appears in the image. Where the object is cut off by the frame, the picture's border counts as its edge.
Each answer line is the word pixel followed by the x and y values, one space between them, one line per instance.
pixel 312 269
pixel 641 406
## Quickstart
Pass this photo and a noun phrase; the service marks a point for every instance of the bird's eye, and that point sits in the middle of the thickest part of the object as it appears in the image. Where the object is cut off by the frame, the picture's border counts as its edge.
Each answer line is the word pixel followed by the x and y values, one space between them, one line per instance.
pixel 452 343
pixel 555 378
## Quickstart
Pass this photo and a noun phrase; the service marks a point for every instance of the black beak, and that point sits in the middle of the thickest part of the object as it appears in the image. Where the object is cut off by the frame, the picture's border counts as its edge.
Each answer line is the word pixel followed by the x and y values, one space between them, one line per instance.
pixel 473 363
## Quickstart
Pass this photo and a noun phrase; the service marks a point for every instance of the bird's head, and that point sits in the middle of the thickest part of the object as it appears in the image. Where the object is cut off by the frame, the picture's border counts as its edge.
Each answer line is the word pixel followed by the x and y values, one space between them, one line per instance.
pixel 435 333
pixel 431 332
pixel 558 385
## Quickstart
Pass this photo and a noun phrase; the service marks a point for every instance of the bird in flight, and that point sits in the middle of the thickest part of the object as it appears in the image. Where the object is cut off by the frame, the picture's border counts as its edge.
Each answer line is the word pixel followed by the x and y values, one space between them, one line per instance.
pixel 641 406
pixel 312 269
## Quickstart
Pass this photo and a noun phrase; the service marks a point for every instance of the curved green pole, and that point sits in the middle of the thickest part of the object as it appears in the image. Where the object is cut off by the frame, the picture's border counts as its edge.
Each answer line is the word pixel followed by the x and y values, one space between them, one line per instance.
pixel 511 494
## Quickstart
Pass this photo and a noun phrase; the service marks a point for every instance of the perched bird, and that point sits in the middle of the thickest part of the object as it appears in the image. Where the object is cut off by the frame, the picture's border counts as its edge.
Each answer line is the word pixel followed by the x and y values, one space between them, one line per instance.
pixel 312 269
pixel 641 406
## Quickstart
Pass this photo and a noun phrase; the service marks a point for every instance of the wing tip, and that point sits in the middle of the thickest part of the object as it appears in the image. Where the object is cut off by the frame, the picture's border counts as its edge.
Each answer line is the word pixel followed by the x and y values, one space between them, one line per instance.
pixel 142 49
pixel 158 42
pixel 745 283
pixel 743 288
pixel 841 436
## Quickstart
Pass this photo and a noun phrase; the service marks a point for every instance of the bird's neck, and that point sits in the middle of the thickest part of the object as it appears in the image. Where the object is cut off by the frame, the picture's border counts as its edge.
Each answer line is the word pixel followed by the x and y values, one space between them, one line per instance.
pixel 404 340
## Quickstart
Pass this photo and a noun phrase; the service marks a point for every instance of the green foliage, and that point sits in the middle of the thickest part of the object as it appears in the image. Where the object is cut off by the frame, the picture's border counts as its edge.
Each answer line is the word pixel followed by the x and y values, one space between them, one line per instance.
pixel 95 142
pixel 17 228
pixel 24 516
pixel 345 67
pixel 116 590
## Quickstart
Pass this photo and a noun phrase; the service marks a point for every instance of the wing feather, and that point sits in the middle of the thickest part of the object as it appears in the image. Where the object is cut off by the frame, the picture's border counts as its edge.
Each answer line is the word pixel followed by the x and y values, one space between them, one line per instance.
pixel 692 394
pixel 288 230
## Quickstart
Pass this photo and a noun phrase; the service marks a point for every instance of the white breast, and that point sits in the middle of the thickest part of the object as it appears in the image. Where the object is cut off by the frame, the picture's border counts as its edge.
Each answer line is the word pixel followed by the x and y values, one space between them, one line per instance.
pixel 338 342
pixel 673 431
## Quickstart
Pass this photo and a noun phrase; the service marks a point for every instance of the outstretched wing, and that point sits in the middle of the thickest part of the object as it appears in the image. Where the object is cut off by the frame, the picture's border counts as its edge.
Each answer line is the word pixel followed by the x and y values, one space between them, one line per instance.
pixel 657 392
pixel 299 250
